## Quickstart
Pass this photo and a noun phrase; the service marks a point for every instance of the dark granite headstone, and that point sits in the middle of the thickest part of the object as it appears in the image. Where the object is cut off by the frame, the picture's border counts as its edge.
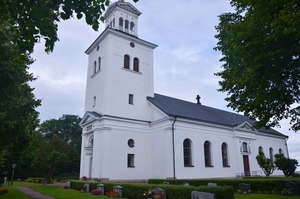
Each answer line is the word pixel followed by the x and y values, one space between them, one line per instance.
pixel 158 193
pixel 202 195
pixel 245 187
pixel 289 188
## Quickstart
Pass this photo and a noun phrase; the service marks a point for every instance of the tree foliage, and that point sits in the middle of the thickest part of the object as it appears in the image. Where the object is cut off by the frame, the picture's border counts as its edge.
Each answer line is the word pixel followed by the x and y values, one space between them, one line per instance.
pixel 260 43
pixel 68 130
pixel 18 117
pixel 265 163
pixel 287 165
pixel 48 156
pixel 36 19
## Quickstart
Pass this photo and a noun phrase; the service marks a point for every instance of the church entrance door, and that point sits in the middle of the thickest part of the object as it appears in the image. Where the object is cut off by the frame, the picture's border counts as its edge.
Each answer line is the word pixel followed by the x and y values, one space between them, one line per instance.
pixel 246 165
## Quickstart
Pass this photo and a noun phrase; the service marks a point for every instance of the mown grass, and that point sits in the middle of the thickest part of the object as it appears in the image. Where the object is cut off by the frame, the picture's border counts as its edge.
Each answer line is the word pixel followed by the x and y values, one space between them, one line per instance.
pixel 13 193
pixel 59 193
pixel 55 191
pixel 263 196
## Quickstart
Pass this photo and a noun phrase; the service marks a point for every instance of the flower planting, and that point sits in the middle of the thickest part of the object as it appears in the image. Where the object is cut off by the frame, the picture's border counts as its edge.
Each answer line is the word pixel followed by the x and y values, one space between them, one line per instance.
pixel 3 191
pixel 112 193
pixel 66 187
pixel 96 192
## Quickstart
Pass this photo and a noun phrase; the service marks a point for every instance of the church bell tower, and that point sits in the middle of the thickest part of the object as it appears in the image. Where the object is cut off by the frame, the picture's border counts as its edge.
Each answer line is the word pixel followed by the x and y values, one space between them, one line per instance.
pixel 120 67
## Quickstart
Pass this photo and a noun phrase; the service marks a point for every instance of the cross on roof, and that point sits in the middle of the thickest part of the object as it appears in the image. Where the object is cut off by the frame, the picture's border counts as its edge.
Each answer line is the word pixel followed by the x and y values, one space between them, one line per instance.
pixel 198 99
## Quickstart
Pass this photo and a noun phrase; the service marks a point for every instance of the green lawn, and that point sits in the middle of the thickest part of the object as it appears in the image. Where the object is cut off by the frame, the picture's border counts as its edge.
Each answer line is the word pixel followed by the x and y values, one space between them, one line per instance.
pixel 59 193
pixel 263 196
pixel 56 191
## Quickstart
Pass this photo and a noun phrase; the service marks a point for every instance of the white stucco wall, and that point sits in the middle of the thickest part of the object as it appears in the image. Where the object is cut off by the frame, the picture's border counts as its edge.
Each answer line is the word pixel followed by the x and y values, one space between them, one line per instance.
pixel 117 121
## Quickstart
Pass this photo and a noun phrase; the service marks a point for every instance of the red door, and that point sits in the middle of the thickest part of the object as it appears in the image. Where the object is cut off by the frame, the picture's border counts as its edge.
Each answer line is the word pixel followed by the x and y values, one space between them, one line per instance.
pixel 246 165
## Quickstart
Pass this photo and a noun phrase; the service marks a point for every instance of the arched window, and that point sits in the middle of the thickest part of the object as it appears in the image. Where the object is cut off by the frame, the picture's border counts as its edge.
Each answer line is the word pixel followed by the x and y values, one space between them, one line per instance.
pixel 260 149
pixel 187 153
pixel 271 155
pixel 95 68
pixel 225 155
pixel 280 151
pixel 91 141
pixel 131 27
pixel 126 61
pixel 99 63
pixel 120 23
pixel 126 25
pixel 136 64
pixel 207 154
pixel 245 147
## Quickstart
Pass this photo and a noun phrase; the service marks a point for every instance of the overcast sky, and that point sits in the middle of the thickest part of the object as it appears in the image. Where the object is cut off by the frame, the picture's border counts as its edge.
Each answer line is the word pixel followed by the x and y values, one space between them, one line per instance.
pixel 184 61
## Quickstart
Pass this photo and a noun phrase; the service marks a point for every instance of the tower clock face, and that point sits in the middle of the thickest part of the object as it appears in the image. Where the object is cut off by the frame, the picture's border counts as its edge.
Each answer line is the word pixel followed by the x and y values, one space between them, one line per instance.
pixel 132 44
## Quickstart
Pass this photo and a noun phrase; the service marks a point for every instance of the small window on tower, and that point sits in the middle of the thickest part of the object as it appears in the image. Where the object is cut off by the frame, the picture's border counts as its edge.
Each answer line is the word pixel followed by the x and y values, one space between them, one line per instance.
pixel 131 27
pixel 136 64
pixel 99 63
pixel 126 61
pixel 95 68
pixel 126 25
pixel 120 23
pixel 94 101
pixel 130 100
pixel 130 160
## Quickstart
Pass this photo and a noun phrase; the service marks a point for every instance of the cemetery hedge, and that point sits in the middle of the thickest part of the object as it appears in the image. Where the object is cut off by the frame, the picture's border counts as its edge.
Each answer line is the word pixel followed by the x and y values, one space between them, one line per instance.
pixel 258 185
pixel 135 190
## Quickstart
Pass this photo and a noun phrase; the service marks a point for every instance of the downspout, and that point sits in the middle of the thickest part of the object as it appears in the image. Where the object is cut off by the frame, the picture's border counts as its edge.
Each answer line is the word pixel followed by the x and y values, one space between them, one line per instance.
pixel 173 143
pixel 287 149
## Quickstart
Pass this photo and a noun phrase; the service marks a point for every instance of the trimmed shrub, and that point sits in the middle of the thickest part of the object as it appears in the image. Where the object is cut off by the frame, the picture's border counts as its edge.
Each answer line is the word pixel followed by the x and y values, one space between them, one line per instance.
pixel 258 185
pixel 136 191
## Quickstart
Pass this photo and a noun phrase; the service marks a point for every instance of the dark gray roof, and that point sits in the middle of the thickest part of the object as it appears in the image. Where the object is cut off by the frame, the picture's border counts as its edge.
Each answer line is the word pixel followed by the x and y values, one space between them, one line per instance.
pixel 184 109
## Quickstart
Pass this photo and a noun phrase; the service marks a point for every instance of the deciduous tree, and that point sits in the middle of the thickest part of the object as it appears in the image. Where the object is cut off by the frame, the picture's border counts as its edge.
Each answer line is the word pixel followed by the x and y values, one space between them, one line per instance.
pixel 36 19
pixel 265 164
pixel 18 117
pixel 68 129
pixel 260 43
pixel 287 165
pixel 49 156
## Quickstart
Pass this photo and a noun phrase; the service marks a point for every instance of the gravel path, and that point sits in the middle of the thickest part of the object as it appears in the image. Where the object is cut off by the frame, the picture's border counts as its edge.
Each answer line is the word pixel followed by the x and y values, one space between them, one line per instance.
pixel 32 193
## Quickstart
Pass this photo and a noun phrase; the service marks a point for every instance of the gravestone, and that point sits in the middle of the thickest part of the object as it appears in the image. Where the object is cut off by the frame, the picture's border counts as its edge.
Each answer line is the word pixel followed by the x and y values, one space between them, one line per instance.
pixel 186 184
pixel 100 187
pixel 211 184
pixel 87 187
pixel 119 189
pixel 244 187
pixel 202 195
pixel 159 193
pixel 289 188
pixel 5 180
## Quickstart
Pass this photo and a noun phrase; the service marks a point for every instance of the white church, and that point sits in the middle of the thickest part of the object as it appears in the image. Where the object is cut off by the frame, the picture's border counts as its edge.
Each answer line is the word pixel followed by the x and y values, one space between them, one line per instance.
pixel 131 133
